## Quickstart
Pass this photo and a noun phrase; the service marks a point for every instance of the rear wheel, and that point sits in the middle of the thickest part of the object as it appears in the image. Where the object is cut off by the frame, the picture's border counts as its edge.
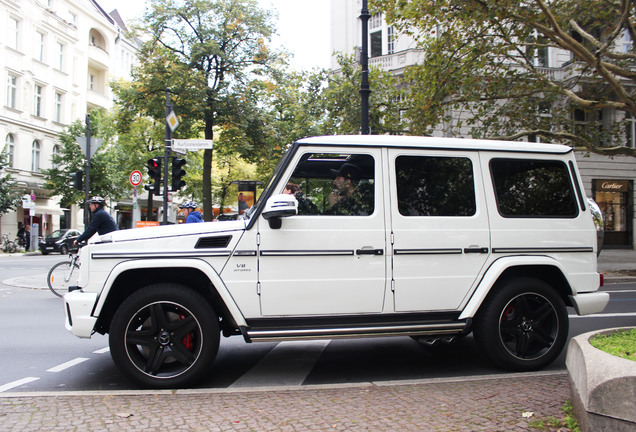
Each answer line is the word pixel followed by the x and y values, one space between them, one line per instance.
pixel 523 326
pixel 164 336
pixel 64 250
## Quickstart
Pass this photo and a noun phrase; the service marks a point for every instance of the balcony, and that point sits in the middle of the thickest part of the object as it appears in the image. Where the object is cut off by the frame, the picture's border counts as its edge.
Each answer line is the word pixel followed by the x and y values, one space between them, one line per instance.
pixel 98 57
pixel 398 60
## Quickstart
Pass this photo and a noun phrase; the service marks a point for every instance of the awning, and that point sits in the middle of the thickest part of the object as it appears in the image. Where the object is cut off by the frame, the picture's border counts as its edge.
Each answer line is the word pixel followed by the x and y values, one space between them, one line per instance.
pixel 49 210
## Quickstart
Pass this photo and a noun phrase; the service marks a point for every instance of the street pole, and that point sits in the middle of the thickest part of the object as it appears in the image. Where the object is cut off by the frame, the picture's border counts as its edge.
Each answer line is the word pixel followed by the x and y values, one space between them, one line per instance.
pixel 87 170
pixel 364 62
pixel 166 157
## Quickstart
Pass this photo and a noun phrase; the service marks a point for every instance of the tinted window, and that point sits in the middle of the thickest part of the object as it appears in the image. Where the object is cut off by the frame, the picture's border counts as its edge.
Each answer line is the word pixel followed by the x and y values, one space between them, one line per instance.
pixel 533 188
pixel 334 184
pixel 435 186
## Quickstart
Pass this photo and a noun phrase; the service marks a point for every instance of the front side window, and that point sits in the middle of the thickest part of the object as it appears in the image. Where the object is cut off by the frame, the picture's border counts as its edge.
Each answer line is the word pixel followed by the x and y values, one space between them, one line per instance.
pixel 435 186
pixel 334 184
pixel 533 188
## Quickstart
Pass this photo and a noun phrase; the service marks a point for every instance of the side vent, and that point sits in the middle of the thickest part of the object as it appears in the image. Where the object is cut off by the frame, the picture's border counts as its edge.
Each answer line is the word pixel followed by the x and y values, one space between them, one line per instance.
pixel 213 242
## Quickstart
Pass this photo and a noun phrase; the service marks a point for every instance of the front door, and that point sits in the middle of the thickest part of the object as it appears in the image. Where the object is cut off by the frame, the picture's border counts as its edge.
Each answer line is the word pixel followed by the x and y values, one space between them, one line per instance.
pixel 331 257
pixel 440 229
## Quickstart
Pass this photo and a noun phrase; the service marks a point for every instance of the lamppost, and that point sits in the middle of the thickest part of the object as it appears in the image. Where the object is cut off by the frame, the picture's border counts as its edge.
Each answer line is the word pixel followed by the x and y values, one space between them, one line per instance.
pixel 364 62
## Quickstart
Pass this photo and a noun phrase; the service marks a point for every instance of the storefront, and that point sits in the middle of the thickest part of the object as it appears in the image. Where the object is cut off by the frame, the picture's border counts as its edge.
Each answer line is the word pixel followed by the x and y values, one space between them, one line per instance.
pixel 615 198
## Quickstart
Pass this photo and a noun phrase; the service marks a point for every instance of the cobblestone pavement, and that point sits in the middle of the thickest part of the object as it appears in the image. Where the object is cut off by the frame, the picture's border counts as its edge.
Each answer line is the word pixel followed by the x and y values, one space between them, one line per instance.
pixel 469 404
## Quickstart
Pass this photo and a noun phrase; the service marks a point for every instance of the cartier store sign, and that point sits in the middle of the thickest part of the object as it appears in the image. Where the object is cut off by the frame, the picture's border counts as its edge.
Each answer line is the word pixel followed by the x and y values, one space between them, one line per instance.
pixel 612 185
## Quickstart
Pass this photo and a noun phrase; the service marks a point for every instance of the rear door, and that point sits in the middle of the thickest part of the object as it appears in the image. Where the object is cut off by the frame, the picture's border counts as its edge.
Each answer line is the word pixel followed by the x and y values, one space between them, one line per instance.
pixel 439 228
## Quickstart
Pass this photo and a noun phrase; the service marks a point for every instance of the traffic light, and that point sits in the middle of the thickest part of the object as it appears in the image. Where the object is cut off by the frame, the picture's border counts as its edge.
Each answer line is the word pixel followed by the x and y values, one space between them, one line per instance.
pixel 154 172
pixel 77 179
pixel 177 173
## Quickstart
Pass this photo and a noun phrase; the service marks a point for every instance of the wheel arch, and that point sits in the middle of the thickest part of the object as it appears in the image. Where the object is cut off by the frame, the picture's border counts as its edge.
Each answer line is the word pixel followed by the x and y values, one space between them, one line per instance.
pixel 131 276
pixel 503 270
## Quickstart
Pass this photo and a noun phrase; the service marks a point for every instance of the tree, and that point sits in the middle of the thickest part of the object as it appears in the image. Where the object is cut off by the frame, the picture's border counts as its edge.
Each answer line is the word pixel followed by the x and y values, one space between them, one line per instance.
pixel 9 195
pixel 205 51
pixel 485 59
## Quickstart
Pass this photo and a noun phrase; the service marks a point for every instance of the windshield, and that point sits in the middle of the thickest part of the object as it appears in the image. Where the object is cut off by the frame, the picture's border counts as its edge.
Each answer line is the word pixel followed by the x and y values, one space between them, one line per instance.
pixel 56 234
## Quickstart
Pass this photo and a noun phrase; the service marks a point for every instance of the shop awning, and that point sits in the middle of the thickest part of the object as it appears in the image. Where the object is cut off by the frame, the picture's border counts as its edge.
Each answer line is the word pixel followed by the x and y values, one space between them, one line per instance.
pixel 49 210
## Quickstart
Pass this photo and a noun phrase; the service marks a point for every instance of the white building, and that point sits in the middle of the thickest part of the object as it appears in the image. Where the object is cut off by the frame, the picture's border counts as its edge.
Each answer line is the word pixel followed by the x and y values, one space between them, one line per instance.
pixel 57 58
pixel 609 180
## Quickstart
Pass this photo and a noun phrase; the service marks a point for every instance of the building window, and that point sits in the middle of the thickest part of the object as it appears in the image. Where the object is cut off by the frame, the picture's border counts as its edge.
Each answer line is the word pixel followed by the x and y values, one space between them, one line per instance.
pixel 390 40
pixel 60 56
pixel 9 149
pixel 37 101
pixel 375 21
pixel 54 155
pixel 12 91
pixel 58 107
pixel 35 156
pixel 376 44
pixel 13 36
pixel 40 44
pixel 537 51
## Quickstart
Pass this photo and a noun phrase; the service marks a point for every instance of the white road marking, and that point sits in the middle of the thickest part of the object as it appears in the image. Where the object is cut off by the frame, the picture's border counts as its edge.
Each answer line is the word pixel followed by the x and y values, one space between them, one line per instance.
pixel 102 351
pixel 17 383
pixel 606 315
pixel 288 364
pixel 68 364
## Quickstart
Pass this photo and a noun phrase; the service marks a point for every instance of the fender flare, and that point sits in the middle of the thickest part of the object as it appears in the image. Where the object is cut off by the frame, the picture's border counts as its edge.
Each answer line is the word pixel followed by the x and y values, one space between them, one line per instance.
pixel 194 263
pixel 494 272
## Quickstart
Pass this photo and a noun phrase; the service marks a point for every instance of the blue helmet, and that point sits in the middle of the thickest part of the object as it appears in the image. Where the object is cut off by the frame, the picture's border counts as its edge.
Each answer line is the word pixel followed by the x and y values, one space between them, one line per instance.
pixel 188 204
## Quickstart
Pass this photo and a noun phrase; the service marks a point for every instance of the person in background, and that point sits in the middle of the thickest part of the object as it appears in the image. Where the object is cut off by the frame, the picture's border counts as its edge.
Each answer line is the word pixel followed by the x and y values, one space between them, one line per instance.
pixel 190 209
pixel 101 222
pixel 242 204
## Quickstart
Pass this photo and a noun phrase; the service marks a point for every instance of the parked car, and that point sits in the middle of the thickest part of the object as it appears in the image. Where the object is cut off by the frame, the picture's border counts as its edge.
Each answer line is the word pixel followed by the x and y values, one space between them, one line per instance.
pixel 59 241
pixel 432 238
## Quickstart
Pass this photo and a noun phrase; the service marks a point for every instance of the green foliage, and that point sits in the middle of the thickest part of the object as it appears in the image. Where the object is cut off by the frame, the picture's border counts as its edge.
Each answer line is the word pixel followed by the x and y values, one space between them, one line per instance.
pixel 9 195
pixel 484 64
pixel 620 343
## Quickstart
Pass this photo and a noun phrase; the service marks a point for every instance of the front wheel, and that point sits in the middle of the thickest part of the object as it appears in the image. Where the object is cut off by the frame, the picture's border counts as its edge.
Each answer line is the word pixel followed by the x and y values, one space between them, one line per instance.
pixel 523 326
pixel 10 247
pixel 61 276
pixel 164 336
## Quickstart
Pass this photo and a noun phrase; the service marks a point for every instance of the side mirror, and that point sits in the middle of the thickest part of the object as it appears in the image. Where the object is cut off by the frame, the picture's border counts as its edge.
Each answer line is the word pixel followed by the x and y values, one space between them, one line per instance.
pixel 279 206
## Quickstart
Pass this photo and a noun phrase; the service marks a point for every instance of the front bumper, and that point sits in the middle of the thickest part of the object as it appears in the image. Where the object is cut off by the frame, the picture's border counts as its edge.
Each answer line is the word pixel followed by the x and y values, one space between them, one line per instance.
pixel 78 307
pixel 589 302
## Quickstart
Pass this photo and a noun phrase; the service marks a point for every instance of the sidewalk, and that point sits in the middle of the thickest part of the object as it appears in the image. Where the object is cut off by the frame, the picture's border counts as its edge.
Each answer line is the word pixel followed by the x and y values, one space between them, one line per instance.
pixel 513 403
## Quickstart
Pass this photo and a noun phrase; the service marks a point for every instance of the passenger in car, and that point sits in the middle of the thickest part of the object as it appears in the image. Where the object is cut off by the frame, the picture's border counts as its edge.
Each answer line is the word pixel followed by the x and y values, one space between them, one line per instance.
pixel 346 198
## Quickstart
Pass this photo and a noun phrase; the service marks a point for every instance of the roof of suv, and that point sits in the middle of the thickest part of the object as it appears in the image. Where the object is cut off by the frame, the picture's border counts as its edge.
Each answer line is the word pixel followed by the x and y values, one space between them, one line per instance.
pixel 436 143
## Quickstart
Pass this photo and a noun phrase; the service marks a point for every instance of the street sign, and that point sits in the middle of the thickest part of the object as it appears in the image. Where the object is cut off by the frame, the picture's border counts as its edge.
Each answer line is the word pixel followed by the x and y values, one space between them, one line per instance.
pixel 95 143
pixel 135 178
pixel 172 120
pixel 191 144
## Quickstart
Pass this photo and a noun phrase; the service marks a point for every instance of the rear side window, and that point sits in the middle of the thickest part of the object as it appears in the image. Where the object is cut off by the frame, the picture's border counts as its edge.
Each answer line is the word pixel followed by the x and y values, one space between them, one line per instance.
pixel 533 188
pixel 435 186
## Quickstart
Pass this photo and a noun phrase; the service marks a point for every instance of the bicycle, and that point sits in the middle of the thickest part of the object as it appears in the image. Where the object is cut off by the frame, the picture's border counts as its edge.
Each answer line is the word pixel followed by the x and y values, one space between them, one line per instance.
pixel 64 274
pixel 8 245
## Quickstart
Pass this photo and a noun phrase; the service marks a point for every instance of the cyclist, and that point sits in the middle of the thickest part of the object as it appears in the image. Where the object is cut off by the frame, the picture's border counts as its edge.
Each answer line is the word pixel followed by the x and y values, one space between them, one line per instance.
pixel 190 209
pixel 101 223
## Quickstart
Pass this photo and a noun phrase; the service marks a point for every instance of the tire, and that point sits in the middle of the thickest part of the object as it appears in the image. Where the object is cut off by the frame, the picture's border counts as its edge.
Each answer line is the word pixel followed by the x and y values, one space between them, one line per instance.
pixel 10 247
pixel 164 336
pixel 60 277
pixel 64 250
pixel 523 326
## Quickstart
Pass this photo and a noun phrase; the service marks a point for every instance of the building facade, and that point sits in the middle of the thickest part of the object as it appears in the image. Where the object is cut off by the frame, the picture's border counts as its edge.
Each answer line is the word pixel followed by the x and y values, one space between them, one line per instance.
pixel 608 180
pixel 57 58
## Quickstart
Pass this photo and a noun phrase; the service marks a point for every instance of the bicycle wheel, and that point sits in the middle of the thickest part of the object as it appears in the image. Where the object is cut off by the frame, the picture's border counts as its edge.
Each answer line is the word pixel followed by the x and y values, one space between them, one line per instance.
pixel 61 276
pixel 10 247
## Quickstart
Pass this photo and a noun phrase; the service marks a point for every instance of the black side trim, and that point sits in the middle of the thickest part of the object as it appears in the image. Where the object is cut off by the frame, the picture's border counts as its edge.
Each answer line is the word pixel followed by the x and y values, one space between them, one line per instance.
pixel 213 242
pixel 306 252
pixel 152 255
pixel 543 250
pixel 427 251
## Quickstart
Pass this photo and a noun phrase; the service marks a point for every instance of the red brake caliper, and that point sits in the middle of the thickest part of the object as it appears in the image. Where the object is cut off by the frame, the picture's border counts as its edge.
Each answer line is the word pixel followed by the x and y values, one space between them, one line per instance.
pixel 187 339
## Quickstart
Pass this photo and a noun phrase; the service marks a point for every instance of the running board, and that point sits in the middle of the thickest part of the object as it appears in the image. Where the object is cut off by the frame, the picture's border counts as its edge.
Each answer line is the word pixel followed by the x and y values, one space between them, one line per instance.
pixel 277 334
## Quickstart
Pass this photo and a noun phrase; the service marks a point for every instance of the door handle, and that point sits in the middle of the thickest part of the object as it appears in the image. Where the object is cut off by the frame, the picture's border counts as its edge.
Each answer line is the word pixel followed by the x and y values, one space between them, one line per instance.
pixel 369 251
pixel 476 250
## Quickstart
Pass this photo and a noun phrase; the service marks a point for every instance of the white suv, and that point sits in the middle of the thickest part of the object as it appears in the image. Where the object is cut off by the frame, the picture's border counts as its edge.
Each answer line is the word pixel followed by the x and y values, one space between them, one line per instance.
pixel 408 236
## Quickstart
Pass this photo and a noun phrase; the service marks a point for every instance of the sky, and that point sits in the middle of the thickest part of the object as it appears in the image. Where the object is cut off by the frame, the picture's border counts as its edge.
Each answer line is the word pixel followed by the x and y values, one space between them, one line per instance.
pixel 303 27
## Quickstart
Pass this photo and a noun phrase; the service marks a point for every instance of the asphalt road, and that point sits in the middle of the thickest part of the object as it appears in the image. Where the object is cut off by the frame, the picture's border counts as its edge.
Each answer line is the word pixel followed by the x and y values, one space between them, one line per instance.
pixel 38 354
